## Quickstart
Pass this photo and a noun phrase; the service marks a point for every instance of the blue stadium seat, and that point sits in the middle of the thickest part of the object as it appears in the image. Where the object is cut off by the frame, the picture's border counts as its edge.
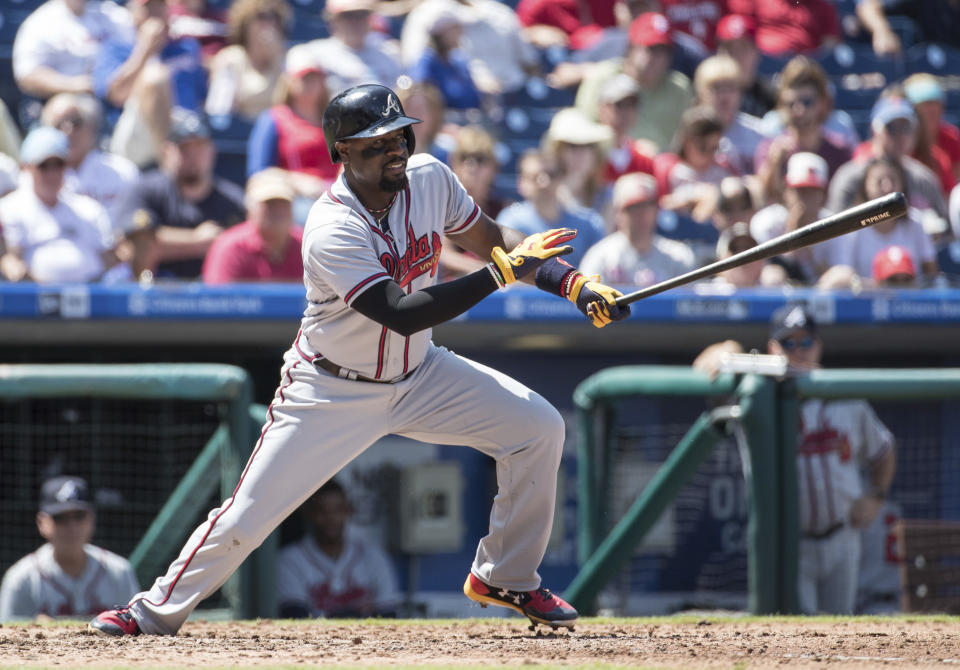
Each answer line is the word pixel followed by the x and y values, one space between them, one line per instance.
pixel 854 99
pixel 314 7
pixel 681 227
pixel 536 93
pixel 854 58
pixel 524 123
pixel 306 27
pixel 948 258
pixel 771 65
pixel 230 135
pixel 933 58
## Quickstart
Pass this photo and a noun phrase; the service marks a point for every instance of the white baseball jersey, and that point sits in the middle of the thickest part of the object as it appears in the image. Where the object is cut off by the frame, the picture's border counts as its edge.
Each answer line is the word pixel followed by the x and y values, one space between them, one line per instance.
pixel 319 422
pixel 618 262
pixel 37 585
pixel 359 582
pixel 837 439
pixel 62 243
pixel 345 252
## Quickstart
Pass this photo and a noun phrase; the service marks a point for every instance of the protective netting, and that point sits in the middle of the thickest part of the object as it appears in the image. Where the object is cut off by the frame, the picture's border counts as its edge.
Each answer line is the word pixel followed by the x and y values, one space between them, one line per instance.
pixel 695 556
pixel 132 453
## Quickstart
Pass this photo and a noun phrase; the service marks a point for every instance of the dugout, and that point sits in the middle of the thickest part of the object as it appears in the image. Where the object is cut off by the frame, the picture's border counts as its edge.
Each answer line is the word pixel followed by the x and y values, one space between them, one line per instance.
pixel 539 340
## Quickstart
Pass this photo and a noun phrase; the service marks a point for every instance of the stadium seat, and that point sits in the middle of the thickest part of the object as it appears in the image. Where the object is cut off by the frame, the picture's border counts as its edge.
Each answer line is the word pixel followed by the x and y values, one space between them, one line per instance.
pixel 681 227
pixel 306 27
pixel 937 59
pixel 230 135
pixel 524 123
pixel 855 58
pixel 771 65
pixel 855 99
pixel 536 93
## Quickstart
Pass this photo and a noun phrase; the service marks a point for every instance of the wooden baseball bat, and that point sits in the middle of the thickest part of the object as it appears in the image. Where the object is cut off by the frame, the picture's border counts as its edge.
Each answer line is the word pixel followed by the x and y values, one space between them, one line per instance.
pixel 874 211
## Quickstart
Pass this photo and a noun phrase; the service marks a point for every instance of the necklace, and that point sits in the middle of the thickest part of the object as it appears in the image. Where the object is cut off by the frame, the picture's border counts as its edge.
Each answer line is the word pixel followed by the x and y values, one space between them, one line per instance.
pixel 380 214
pixel 383 209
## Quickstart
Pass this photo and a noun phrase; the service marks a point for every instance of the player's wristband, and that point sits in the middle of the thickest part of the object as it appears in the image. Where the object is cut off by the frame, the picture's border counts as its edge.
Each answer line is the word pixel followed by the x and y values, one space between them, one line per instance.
pixel 555 276
pixel 497 275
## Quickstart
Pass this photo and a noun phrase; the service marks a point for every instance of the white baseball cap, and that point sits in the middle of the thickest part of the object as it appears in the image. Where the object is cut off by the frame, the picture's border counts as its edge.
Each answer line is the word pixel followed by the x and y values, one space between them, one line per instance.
pixel 805 169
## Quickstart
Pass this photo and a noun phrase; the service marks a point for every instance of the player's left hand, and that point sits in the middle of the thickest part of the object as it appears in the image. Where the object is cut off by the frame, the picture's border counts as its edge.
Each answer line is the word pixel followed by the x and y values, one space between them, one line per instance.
pixel 530 254
pixel 597 301
pixel 864 510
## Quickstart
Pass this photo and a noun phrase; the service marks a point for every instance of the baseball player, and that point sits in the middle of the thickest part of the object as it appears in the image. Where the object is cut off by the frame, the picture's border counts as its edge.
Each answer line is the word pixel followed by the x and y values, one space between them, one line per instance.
pixel 332 571
pixel 363 366
pixel 67 576
pixel 838 439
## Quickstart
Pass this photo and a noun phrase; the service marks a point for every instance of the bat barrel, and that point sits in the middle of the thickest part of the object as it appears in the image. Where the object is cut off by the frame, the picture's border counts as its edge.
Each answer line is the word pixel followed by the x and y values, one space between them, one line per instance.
pixel 869 213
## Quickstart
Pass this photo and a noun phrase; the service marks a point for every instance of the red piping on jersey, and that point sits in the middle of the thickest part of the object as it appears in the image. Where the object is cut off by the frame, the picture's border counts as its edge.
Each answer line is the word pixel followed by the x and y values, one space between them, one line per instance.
pixel 383 341
pixel 470 219
pixel 410 236
pixel 296 345
pixel 363 283
pixel 233 497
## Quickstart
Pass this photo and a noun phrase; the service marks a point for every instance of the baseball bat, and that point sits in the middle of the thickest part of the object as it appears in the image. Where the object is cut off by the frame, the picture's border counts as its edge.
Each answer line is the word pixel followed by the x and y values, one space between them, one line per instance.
pixel 874 211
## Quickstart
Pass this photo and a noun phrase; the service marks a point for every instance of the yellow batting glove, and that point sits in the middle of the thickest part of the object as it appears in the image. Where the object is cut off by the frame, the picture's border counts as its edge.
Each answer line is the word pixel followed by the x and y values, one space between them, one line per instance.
pixel 597 301
pixel 531 253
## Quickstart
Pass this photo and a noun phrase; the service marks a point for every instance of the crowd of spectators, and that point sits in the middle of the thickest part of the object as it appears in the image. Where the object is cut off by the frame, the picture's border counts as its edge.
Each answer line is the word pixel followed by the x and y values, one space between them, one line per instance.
pixel 667 111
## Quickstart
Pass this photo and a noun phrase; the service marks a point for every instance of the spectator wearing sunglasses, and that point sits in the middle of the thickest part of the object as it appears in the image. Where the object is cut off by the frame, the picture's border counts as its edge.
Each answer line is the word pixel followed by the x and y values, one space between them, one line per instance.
pixel 845 468
pixel 245 75
pixel 51 233
pixel 803 103
pixel 66 577
pixel 100 175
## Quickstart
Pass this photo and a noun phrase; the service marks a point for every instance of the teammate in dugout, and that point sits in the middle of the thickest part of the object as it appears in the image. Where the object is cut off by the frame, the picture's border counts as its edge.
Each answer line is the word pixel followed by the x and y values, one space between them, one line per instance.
pixel 362 366
pixel 67 576
pixel 838 439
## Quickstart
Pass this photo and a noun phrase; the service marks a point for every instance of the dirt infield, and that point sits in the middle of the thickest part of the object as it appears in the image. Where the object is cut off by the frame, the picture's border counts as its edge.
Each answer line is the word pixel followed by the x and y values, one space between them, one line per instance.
pixel 686 643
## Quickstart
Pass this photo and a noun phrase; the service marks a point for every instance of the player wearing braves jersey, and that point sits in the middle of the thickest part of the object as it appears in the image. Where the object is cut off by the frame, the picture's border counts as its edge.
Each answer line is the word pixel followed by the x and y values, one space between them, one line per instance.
pixel 67 576
pixel 363 366
pixel 332 571
pixel 838 439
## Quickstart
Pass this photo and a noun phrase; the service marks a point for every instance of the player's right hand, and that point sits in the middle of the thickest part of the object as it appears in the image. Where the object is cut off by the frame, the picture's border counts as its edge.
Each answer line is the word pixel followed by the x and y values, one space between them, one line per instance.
pixel 531 253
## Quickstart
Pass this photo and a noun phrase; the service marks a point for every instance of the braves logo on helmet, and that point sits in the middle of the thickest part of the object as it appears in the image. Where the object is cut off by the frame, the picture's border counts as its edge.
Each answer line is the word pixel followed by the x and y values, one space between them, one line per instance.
pixel 368 110
pixel 393 106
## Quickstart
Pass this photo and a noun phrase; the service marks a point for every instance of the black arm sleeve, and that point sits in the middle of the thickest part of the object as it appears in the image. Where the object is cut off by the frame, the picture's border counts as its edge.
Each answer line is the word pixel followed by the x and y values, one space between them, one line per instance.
pixel 387 304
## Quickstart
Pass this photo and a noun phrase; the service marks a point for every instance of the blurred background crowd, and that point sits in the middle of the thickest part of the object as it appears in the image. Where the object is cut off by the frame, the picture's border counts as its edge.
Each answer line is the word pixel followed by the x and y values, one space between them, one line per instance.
pixel 154 140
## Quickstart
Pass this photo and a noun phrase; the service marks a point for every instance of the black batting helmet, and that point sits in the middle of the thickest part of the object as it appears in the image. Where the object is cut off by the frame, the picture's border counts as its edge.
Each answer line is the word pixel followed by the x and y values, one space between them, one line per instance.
pixel 368 110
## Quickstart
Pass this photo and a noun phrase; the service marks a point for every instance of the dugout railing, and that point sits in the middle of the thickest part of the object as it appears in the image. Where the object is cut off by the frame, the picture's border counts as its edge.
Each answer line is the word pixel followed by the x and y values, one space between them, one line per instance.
pixel 763 410
pixel 114 424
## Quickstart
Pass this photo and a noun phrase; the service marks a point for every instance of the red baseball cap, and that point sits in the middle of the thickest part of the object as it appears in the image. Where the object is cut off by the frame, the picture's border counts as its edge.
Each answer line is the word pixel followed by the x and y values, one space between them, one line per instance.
pixel 735 26
pixel 649 30
pixel 893 260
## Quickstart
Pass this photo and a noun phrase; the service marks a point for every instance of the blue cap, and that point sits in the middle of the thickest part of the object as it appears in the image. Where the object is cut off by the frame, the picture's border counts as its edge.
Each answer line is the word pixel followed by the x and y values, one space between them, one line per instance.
pixel 791 318
pixel 923 88
pixel 43 143
pixel 890 109
pixel 65 494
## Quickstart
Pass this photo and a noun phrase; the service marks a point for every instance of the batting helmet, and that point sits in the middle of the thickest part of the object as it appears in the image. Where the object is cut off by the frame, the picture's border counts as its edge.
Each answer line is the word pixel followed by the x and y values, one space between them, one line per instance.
pixel 368 110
